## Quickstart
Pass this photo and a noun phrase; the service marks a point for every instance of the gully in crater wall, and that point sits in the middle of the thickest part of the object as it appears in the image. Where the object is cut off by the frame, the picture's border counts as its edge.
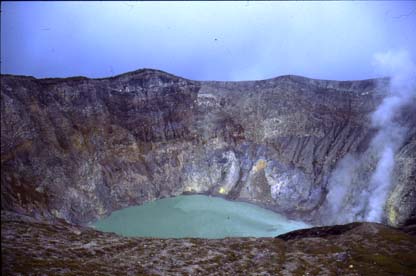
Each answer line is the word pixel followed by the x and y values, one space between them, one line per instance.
pixel 79 148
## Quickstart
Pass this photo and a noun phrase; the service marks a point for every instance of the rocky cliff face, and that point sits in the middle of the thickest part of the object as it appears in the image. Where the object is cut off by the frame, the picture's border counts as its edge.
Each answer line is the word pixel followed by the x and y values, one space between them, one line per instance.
pixel 80 148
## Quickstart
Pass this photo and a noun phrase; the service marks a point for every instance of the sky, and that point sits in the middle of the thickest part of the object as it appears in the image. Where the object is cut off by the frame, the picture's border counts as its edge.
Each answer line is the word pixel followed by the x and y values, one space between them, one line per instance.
pixel 204 40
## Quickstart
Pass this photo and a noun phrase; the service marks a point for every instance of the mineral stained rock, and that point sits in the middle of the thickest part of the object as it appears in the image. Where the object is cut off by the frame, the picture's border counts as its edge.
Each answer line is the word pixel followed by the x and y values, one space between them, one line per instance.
pixel 77 148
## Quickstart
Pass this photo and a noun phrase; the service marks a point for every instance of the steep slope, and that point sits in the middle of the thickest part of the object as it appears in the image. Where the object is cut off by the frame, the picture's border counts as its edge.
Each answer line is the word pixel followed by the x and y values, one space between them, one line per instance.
pixel 80 148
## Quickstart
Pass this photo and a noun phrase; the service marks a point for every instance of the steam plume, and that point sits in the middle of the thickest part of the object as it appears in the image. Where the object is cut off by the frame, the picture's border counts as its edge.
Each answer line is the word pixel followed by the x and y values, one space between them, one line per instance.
pixel 368 203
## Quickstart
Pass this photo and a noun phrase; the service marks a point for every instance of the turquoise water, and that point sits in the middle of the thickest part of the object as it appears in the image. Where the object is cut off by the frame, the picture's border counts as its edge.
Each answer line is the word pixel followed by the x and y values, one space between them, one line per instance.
pixel 197 216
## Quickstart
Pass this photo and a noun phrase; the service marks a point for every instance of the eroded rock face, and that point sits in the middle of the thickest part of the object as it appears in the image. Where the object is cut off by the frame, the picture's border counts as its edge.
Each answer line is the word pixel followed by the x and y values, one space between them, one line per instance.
pixel 80 148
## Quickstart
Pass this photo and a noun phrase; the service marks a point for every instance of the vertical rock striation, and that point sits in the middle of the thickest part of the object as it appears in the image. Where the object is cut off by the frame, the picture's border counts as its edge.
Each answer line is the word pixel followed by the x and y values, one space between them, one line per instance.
pixel 79 148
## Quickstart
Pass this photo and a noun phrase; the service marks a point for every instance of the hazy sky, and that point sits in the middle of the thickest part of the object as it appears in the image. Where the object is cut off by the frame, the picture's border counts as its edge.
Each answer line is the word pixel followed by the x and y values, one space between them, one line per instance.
pixel 204 40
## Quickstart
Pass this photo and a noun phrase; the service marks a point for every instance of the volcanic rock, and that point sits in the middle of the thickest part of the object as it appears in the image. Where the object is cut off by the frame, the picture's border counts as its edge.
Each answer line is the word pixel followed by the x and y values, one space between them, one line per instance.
pixel 77 149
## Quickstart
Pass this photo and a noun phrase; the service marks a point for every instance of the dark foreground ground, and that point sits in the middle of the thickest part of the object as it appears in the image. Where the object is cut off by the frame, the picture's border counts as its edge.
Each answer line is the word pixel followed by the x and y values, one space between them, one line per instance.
pixel 30 247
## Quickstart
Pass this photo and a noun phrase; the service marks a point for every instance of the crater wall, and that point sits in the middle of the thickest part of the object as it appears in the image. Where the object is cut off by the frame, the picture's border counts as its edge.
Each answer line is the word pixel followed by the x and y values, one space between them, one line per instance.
pixel 79 148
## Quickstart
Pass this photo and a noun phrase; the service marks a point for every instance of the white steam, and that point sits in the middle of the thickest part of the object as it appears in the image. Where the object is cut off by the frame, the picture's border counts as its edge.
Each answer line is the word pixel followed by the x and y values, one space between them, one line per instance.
pixel 342 176
pixel 390 136
pixel 346 202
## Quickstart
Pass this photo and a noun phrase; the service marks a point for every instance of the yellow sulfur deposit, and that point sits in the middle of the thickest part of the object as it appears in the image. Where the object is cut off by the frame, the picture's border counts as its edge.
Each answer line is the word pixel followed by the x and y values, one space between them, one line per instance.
pixel 392 215
pixel 260 165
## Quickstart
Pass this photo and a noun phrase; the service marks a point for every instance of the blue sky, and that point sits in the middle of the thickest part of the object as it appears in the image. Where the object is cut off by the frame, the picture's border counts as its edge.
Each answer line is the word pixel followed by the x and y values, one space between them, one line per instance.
pixel 204 40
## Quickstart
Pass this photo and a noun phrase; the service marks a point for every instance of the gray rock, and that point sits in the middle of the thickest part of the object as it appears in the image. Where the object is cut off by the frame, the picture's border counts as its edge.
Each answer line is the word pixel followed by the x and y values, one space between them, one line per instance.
pixel 77 148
